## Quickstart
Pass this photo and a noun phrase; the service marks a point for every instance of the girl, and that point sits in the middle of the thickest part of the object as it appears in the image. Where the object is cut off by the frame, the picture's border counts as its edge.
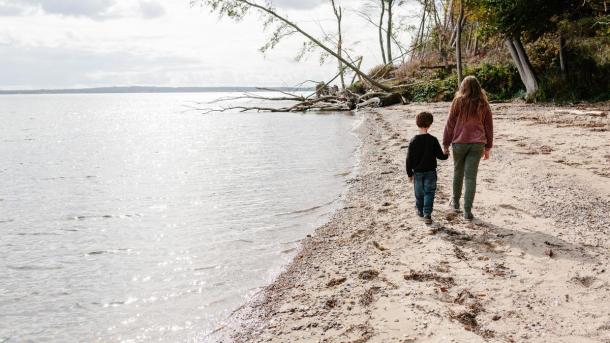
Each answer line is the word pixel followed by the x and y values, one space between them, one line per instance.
pixel 469 131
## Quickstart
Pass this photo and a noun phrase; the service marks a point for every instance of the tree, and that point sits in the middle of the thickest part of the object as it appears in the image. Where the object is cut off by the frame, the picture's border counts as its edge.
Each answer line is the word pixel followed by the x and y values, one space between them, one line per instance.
pixel 380 30
pixel 238 9
pixel 385 25
pixel 389 29
pixel 339 15
pixel 458 43
pixel 515 19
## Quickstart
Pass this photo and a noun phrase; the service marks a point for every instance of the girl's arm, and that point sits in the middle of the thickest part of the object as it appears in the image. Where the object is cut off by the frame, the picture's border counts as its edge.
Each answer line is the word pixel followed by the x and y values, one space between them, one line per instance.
pixel 488 125
pixel 451 120
pixel 438 151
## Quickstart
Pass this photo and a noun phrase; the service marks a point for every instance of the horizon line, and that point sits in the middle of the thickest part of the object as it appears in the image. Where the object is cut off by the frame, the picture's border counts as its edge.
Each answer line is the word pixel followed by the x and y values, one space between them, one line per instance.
pixel 149 89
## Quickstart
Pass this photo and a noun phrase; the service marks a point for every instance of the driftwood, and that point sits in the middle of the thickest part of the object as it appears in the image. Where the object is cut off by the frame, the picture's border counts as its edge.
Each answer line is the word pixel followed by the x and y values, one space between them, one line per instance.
pixel 331 99
pixel 334 102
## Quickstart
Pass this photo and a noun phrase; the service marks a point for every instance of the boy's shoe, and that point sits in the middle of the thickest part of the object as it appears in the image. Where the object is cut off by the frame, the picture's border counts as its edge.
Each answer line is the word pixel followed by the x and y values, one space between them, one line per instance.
pixel 468 216
pixel 428 219
pixel 420 213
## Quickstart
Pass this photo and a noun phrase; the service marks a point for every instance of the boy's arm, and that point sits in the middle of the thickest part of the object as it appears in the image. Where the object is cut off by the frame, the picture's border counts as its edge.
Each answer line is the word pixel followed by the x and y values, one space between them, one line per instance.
pixel 438 151
pixel 409 163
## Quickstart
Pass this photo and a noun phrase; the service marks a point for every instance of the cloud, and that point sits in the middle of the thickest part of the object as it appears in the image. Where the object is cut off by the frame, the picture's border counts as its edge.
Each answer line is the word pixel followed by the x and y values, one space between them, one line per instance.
pixel 10 9
pixel 151 9
pixel 93 9
pixel 46 67
pixel 97 9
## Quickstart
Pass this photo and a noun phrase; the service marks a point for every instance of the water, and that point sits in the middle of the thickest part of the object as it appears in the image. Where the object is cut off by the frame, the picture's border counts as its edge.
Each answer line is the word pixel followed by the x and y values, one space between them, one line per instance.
pixel 124 218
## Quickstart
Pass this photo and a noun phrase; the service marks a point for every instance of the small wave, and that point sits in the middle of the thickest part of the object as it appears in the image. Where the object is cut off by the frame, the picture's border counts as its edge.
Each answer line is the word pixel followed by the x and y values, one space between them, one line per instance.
pixel 104 216
pixel 6 220
pixel 287 251
pixel 241 240
pixel 292 242
pixel 307 210
pixel 101 252
pixel 26 268
pixel 38 234
pixel 206 268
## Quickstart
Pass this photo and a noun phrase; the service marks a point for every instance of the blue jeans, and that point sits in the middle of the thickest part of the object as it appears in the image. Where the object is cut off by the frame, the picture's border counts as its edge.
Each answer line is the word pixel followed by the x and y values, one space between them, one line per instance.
pixel 424 184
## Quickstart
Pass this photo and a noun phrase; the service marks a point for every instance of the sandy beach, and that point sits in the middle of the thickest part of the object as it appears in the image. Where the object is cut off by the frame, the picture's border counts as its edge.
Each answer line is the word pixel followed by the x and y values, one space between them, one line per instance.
pixel 532 267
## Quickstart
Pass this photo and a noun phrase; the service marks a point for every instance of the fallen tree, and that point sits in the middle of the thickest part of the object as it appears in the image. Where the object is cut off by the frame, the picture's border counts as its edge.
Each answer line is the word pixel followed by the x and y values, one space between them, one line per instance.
pixel 328 101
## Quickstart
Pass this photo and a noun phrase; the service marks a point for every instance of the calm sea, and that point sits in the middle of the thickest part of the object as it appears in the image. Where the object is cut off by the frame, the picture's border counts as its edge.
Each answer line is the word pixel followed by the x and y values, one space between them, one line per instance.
pixel 124 217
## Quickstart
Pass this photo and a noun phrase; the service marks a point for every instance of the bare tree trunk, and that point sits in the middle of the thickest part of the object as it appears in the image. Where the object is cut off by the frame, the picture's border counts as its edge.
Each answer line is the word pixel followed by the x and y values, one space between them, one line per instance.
pixel 475 50
pixel 272 13
pixel 562 57
pixel 389 31
pixel 359 59
pixel 339 15
pixel 458 44
pixel 381 31
pixel 439 31
pixel 420 33
pixel 528 77
pixel 468 49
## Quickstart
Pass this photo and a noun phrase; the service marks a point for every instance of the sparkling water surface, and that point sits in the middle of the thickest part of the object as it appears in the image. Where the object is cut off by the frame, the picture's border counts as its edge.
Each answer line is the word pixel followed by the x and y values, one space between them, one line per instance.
pixel 124 217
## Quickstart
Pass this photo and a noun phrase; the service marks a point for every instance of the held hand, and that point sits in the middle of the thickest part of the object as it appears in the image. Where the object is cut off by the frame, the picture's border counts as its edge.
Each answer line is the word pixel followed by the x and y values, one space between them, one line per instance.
pixel 486 154
pixel 411 179
pixel 446 150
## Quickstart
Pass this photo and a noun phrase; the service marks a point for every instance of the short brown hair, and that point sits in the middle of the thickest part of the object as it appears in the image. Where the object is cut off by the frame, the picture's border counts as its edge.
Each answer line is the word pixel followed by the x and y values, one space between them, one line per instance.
pixel 424 119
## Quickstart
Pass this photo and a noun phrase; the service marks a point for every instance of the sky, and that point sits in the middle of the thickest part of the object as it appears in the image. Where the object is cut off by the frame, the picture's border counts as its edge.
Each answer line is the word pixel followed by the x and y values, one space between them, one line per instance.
pixel 97 43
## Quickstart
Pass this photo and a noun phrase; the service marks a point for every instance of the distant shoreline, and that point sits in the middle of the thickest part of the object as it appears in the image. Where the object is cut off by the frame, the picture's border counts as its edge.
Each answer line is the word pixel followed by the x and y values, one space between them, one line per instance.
pixel 140 89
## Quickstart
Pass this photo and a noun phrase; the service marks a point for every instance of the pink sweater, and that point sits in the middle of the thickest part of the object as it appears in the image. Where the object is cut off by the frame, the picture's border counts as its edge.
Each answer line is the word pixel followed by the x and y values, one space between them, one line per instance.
pixel 471 129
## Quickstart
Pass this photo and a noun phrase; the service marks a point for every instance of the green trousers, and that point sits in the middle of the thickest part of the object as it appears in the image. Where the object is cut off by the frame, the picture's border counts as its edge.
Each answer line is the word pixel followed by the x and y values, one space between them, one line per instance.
pixel 466 158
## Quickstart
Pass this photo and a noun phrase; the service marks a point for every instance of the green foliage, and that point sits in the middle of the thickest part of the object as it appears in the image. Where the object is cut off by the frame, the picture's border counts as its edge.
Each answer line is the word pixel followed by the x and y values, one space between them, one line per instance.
pixel 516 17
pixel 586 80
pixel 500 81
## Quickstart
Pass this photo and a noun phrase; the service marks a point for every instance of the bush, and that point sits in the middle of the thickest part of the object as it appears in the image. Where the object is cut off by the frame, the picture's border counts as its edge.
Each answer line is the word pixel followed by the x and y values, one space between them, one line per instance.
pixel 591 82
pixel 357 87
pixel 500 81
pixel 433 90
pixel 381 71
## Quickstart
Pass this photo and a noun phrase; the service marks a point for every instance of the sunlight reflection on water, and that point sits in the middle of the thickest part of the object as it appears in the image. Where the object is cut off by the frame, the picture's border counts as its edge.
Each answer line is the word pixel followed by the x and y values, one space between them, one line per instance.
pixel 125 218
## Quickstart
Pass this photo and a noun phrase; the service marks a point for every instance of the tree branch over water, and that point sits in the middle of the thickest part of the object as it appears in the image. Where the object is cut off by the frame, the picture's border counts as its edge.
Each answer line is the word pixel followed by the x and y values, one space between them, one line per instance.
pixel 237 10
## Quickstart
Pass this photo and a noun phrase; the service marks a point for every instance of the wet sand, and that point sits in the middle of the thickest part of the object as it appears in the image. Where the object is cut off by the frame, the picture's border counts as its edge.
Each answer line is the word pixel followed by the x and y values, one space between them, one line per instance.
pixel 532 267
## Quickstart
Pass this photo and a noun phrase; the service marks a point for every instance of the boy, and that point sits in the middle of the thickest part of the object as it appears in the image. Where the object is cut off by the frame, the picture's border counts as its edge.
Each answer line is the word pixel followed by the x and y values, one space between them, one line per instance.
pixel 423 151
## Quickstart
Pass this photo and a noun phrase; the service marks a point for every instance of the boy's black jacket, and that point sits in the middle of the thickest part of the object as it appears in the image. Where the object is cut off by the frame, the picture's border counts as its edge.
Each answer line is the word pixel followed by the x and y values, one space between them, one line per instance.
pixel 423 151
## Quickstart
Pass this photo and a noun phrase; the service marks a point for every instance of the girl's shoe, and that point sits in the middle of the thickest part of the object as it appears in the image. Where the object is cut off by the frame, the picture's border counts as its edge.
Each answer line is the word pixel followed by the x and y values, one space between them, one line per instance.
pixel 468 216
pixel 454 206
pixel 419 213
pixel 428 219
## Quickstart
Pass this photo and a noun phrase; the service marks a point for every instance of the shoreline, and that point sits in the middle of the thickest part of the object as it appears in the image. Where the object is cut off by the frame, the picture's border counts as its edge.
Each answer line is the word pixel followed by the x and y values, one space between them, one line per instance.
pixel 375 273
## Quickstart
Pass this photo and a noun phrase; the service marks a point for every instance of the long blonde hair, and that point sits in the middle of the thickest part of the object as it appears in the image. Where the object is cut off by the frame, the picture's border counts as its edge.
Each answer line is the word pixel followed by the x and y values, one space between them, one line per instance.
pixel 470 98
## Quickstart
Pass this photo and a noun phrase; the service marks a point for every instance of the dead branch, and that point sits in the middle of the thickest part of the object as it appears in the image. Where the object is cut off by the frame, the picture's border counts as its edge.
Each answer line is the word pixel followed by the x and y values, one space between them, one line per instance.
pixel 281 91
pixel 250 96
